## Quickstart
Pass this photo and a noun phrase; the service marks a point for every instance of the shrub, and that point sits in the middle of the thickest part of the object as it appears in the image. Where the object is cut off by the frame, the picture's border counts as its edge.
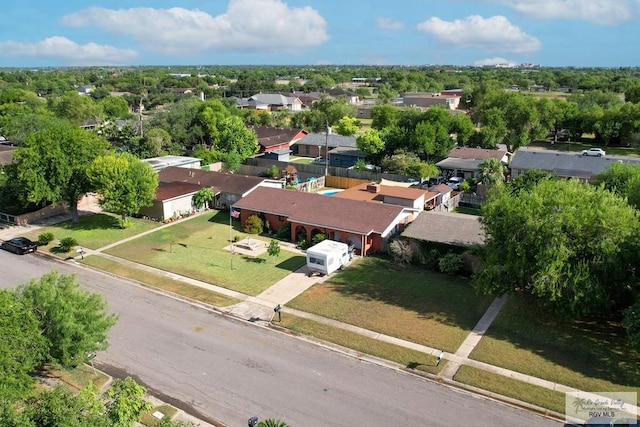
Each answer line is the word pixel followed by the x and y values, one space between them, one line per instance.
pixel 236 238
pixel 451 263
pixel 303 244
pixel 44 239
pixel 67 243
pixel 432 259
pixel 284 232
pixel 273 171
pixel 465 186
pixel 318 238
pixel 401 251
pixel 253 225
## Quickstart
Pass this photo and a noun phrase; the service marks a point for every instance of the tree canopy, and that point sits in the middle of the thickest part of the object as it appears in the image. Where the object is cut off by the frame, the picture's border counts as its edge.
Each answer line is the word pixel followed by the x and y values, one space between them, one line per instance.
pixel 52 164
pixel 571 245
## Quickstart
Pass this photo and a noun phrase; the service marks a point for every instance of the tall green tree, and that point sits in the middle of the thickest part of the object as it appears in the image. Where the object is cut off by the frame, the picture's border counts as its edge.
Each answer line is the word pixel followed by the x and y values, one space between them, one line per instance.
pixel 491 172
pixel 235 137
pixel 127 403
pixel 202 197
pixel 622 179
pixel 370 143
pixel 384 116
pixel 571 245
pixel 22 348
pixel 347 126
pixel 125 183
pixel 52 164
pixel 73 322
pixel 75 108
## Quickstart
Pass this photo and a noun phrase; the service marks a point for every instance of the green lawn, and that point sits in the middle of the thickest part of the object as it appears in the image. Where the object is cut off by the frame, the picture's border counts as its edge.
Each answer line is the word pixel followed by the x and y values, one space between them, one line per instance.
pixel 589 355
pixel 159 281
pixel 404 356
pixel 195 248
pixel 410 303
pixel 95 231
pixel 536 395
pixel 80 377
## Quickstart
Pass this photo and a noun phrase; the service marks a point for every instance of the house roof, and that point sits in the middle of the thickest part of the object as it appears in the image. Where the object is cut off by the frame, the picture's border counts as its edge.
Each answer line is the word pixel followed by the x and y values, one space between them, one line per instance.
pixel 460 164
pixel 441 188
pixel 566 164
pixel 159 163
pixel 477 153
pixel 224 182
pixel 323 211
pixel 360 192
pixel 333 140
pixel 270 136
pixel 171 190
pixel 446 227
pixel 348 151
pixel 270 99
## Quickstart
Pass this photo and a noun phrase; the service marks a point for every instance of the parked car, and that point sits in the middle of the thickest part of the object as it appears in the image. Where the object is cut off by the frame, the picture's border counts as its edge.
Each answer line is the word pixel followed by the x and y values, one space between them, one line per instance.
pixel 597 152
pixel 435 180
pixel 19 245
pixel 454 182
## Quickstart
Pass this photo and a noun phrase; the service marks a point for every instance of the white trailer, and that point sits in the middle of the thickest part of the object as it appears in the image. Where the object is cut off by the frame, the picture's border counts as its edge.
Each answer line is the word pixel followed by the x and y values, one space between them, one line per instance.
pixel 327 257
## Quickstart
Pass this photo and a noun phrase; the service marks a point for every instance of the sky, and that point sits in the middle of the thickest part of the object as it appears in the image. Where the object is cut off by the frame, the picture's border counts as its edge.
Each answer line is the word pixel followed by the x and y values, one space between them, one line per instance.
pixel 580 33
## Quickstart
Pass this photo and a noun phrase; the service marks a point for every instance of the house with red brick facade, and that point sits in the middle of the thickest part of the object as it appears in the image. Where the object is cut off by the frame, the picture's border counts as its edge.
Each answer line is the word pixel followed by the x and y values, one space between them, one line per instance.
pixel 365 225
pixel 273 139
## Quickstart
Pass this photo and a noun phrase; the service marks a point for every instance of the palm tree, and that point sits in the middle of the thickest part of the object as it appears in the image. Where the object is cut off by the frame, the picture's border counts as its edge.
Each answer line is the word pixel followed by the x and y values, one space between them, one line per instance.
pixel 491 172
pixel 272 423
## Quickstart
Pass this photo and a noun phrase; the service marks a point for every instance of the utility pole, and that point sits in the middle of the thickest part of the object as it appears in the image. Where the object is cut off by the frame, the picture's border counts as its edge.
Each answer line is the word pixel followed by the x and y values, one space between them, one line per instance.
pixel 326 150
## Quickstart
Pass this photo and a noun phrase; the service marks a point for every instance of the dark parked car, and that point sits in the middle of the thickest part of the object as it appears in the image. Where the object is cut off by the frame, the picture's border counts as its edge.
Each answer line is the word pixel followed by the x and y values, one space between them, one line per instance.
pixel 19 245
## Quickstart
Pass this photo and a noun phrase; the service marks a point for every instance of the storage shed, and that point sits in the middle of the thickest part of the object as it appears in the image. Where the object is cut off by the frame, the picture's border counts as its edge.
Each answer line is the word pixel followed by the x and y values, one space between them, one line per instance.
pixel 327 257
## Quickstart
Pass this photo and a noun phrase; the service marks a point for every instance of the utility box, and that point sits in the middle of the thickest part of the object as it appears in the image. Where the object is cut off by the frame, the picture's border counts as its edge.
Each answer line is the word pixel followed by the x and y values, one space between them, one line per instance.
pixel 327 257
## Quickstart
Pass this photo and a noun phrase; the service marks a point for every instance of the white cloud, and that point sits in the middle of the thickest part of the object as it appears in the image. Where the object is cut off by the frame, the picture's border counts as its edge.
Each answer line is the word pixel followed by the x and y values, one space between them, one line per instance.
pixel 605 12
pixel 492 61
pixel 247 25
pixel 70 52
pixel 494 34
pixel 389 24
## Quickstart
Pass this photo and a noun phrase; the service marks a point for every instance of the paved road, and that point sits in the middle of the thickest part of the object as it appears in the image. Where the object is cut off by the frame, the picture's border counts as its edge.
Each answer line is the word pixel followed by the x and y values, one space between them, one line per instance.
pixel 231 370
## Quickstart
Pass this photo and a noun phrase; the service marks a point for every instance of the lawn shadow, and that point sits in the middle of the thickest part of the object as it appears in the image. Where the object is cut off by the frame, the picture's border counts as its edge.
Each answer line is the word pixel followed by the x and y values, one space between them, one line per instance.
pixel 252 259
pixel 292 264
pixel 99 221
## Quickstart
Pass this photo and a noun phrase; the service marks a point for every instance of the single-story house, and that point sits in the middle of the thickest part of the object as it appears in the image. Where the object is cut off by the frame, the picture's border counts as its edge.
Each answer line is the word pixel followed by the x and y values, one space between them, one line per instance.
pixel 270 102
pixel 465 162
pixel 563 164
pixel 272 139
pixel 409 197
pixel 307 98
pixel 229 187
pixel 431 99
pixel 448 228
pixel 85 89
pixel 172 199
pixel 159 163
pixel 349 96
pixel 365 225
pixel 345 157
pixel 314 144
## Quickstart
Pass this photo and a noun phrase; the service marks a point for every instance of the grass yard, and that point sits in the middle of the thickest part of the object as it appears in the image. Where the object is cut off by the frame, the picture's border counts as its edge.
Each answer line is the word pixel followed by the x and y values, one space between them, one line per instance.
pixel 588 355
pixel 195 248
pixel 159 281
pixel 95 231
pixel 404 356
pixel 410 303
pixel 167 410
pixel 80 377
pixel 536 395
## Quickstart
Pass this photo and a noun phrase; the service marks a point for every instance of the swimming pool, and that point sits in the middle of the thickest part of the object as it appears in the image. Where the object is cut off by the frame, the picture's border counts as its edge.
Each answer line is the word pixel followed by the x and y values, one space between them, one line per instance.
pixel 329 192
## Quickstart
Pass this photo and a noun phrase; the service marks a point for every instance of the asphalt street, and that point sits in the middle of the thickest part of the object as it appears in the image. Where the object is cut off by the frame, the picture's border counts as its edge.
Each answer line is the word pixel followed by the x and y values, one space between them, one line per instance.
pixel 229 370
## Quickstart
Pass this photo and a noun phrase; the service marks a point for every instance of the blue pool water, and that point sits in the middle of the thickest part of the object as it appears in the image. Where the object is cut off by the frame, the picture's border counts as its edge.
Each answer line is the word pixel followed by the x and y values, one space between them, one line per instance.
pixel 330 193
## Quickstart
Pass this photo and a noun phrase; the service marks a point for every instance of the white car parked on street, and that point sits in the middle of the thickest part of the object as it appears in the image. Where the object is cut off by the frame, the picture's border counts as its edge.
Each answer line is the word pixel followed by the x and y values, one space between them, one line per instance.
pixel 597 152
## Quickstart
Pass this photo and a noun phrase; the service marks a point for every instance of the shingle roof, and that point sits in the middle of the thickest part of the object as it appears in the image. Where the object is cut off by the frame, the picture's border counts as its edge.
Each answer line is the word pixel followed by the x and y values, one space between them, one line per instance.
pixel 446 227
pixel 477 153
pixel 223 182
pixel 334 140
pixel 360 192
pixel 170 190
pixel 324 211
pixel 566 164
pixel 270 136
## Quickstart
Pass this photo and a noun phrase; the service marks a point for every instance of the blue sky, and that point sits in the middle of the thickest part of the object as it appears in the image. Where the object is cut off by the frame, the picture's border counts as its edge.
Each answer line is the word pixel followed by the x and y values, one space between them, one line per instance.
pixel 590 33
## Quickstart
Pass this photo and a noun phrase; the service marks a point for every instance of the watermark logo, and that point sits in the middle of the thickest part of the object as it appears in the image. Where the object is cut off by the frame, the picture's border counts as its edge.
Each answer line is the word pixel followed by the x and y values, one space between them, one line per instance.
pixel 602 408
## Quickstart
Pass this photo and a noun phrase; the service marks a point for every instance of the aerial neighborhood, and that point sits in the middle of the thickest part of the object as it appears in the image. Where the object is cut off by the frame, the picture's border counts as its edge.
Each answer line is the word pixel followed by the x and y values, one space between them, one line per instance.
pixel 434 218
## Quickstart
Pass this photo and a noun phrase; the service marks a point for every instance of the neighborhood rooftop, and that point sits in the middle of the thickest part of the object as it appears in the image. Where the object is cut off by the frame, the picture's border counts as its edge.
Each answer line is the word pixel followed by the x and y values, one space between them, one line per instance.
pixel 324 211
pixel 446 227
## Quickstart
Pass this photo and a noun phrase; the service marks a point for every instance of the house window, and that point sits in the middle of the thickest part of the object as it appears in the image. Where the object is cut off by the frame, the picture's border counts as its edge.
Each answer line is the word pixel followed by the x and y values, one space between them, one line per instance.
pixel 281 218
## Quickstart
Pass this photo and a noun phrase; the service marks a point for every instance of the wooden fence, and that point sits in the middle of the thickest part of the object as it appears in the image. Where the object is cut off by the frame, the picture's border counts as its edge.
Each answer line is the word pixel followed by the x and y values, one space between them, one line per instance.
pixel 344 182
